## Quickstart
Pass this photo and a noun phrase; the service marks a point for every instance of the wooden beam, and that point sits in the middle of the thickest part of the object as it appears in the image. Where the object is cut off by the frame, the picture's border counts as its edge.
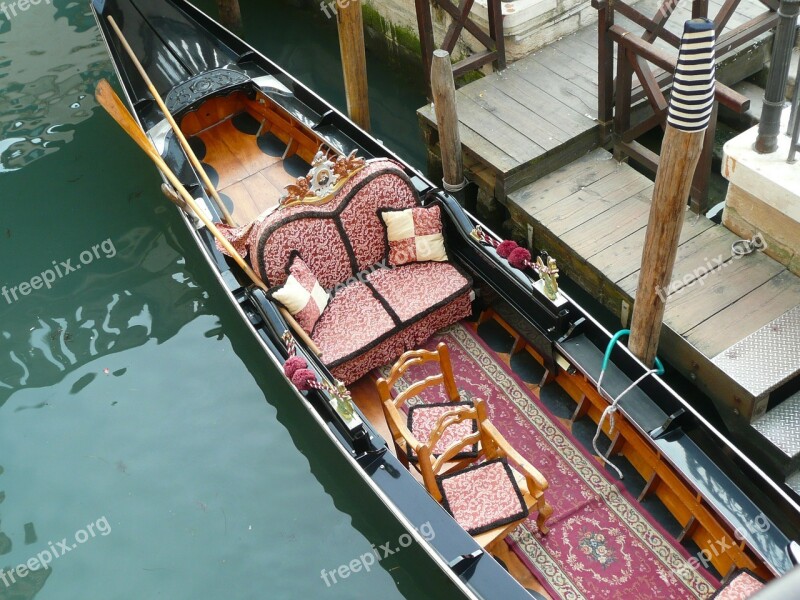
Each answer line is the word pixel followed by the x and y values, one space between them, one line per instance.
pixel 425 27
pixel 354 61
pixel 653 29
pixel 451 37
pixel 443 88
pixel 605 69
pixel 496 31
pixel 726 96
pixel 230 13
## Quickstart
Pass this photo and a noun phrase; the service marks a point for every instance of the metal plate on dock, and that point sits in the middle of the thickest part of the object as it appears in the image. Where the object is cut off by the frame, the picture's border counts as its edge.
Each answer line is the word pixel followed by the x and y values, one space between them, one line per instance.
pixel 766 358
pixel 793 481
pixel 781 426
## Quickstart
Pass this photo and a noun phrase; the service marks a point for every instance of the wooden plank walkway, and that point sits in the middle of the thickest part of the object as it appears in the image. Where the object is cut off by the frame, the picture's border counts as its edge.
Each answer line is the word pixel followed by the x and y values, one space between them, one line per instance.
pixel 592 216
pixel 541 112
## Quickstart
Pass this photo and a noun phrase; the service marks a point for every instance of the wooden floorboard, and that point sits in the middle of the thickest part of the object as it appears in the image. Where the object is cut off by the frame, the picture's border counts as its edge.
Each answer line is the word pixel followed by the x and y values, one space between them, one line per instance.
pixel 749 313
pixel 517 116
pixel 491 127
pixel 624 258
pixel 717 290
pixel 479 146
pixel 565 181
pixel 566 91
pixel 610 226
pixel 592 201
pixel 559 114
pixel 697 256
pixel 591 217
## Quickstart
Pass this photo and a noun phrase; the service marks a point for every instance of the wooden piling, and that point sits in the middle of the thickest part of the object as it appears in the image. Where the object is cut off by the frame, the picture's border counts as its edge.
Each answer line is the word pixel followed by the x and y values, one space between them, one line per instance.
pixel 354 60
pixel 443 89
pixel 230 13
pixel 691 104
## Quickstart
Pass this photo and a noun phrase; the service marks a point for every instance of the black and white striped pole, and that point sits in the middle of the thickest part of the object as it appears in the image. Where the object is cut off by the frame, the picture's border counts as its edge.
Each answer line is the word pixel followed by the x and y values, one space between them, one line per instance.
pixel 690 105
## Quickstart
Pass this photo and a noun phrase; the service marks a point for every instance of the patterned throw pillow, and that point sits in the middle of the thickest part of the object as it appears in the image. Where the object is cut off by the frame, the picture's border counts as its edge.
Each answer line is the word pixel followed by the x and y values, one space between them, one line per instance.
pixel 302 295
pixel 414 235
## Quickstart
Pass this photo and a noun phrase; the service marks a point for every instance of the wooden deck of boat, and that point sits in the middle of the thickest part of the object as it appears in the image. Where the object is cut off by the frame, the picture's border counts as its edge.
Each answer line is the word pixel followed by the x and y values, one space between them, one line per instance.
pixel 247 168
pixel 592 214
pixel 541 112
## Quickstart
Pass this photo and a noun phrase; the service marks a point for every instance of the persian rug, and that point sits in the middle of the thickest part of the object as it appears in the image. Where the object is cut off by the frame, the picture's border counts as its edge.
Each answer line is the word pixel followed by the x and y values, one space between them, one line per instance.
pixel 601 543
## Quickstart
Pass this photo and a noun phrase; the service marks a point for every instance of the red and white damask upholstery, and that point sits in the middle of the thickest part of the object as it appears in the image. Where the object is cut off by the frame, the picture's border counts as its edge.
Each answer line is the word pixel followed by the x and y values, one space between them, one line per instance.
pixel 422 419
pixel 415 288
pixel 483 496
pixel 301 294
pixel 406 337
pixel 354 320
pixel 740 587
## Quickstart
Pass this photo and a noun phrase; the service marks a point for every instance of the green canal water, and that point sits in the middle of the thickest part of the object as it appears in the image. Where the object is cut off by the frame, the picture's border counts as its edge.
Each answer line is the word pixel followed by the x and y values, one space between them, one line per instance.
pixel 146 444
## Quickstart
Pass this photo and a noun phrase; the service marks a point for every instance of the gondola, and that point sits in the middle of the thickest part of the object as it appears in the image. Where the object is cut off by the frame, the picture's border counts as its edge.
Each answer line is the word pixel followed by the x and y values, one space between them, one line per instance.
pixel 295 178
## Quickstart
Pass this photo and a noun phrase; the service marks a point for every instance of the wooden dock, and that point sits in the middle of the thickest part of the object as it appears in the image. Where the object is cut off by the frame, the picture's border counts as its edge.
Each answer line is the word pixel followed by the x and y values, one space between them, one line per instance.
pixel 531 141
pixel 541 112
pixel 593 213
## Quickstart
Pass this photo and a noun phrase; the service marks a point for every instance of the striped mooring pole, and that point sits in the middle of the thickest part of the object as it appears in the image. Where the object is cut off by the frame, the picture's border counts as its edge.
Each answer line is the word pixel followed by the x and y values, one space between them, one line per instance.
pixel 690 106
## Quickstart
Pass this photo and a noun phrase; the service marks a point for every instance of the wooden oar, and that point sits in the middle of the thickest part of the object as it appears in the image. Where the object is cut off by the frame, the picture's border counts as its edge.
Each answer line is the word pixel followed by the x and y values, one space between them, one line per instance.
pixel 109 100
pixel 178 133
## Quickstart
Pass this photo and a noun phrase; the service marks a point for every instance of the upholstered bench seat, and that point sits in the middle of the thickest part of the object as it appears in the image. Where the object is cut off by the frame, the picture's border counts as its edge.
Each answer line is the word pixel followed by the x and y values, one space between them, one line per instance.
pixel 366 325
pixel 415 289
pixel 375 312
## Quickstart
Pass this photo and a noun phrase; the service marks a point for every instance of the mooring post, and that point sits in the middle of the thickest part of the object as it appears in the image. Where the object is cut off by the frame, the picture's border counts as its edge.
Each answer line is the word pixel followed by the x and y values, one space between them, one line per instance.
pixel 690 106
pixel 354 61
pixel 443 89
pixel 230 13
pixel 775 92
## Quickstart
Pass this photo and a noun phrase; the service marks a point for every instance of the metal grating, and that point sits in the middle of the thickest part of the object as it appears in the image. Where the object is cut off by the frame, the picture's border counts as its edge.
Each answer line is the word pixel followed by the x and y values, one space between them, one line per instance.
pixel 766 358
pixel 781 426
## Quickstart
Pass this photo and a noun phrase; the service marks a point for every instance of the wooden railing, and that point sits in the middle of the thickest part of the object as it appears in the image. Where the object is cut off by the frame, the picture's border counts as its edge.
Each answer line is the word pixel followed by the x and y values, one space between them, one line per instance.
pixel 494 46
pixel 636 54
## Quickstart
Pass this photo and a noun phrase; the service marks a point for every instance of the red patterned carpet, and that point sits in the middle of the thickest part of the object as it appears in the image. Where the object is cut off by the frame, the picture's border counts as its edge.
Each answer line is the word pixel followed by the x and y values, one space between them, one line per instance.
pixel 601 543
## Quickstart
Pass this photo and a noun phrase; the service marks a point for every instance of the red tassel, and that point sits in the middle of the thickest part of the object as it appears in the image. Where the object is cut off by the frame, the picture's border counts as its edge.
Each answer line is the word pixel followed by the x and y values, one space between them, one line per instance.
pixel 304 379
pixel 519 258
pixel 505 248
pixel 294 364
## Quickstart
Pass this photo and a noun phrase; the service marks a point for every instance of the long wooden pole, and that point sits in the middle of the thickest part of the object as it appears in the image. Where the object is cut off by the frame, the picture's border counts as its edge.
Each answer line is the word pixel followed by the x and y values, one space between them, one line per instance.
pixel 354 60
pixel 443 88
pixel 230 13
pixel 690 107
pixel 109 100
pixel 178 133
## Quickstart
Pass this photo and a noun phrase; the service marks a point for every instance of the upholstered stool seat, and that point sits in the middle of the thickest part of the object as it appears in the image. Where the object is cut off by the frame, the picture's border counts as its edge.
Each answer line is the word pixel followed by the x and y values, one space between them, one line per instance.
pixel 483 497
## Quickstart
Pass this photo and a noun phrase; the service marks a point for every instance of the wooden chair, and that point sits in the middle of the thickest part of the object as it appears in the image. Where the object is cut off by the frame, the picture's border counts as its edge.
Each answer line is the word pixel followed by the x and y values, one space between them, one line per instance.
pixel 490 498
pixel 409 431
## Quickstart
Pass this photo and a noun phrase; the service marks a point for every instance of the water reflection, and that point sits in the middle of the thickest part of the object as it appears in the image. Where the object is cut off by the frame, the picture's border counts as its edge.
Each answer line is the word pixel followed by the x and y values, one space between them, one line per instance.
pixel 45 339
pixel 13 587
pixel 50 61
